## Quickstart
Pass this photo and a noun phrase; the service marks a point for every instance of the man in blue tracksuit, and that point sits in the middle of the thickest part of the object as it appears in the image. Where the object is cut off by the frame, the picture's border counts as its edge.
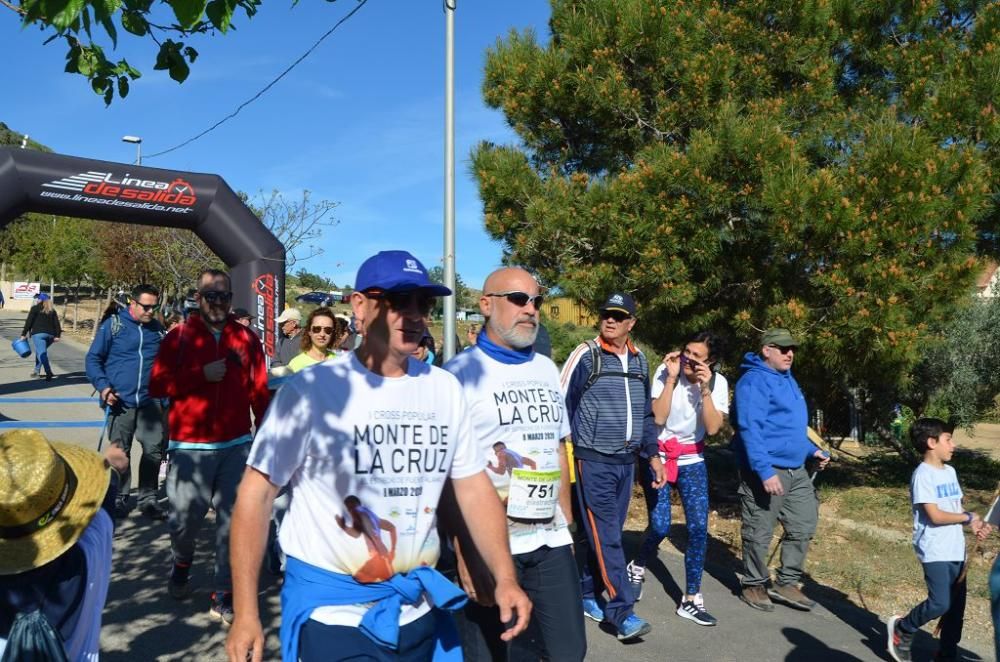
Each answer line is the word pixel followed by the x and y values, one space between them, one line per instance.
pixel 612 422
pixel 118 365
pixel 770 420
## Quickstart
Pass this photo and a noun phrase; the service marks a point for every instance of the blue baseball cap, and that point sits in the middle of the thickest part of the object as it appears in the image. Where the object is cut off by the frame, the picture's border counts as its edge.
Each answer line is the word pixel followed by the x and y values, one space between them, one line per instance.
pixel 396 271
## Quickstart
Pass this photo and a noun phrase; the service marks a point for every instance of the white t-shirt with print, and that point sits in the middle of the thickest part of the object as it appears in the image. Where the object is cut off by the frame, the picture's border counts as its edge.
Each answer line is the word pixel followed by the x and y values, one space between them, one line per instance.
pixel 940 487
pixel 685 421
pixel 366 458
pixel 522 407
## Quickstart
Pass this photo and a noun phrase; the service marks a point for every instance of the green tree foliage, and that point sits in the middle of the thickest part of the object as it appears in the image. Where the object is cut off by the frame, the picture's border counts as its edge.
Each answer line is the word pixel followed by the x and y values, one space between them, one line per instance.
pixel 314 281
pixel 822 165
pixel 463 295
pixel 959 375
pixel 165 23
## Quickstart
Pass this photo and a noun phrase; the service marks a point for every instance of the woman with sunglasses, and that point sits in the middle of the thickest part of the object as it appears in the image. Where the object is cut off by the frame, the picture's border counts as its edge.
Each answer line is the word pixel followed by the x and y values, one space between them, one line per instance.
pixel 690 400
pixel 323 331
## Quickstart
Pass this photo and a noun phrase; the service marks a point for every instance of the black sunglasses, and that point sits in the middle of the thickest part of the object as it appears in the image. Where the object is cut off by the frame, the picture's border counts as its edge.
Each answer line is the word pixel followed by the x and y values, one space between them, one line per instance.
pixel 147 307
pixel 784 350
pixel 520 299
pixel 214 296
pixel 402 300
pixel 328 330
pixel 616 315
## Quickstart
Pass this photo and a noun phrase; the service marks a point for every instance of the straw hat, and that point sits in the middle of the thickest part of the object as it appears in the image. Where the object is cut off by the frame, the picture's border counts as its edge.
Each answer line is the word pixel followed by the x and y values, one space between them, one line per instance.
pixel 48 494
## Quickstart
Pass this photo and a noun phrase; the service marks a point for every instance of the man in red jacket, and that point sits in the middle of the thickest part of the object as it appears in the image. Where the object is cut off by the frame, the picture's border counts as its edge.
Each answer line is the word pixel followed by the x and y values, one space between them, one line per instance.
pixel 212 369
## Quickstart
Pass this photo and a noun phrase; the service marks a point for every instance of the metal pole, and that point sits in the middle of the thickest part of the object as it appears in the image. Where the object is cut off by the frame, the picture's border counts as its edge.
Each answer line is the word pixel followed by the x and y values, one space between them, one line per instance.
pixel 449 177
pixel 138 153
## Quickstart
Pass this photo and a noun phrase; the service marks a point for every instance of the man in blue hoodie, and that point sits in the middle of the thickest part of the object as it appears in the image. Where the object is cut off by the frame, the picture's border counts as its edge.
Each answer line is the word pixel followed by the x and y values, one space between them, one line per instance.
pixel 770 420
pixel 118 365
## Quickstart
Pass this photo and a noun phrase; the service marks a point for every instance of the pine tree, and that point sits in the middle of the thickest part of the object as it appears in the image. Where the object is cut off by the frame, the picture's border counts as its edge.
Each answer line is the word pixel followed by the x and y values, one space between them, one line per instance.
pixel 822 165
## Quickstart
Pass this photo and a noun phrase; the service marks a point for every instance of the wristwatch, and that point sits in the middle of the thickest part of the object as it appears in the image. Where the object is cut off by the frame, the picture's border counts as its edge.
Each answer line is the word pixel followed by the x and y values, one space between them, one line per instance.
pixel 968 518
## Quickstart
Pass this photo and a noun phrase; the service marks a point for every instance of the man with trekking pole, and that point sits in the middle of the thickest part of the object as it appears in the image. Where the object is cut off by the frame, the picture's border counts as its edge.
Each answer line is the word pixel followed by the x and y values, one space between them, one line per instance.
pixel 771 442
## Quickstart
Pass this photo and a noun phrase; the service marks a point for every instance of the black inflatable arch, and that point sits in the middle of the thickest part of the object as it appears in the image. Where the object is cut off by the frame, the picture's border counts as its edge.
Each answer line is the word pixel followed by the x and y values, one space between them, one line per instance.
pixel 32 181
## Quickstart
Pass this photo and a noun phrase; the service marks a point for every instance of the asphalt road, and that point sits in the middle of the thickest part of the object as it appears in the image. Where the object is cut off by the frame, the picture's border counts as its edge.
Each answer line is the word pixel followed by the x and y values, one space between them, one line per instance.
pixel 141 622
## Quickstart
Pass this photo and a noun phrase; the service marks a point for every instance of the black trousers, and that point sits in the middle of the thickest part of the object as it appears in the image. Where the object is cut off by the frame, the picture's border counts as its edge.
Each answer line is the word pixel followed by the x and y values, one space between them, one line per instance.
pixel 550 578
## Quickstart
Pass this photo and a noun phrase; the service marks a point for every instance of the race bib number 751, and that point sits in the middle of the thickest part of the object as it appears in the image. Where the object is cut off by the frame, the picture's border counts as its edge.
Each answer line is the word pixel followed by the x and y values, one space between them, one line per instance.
pixel 533 494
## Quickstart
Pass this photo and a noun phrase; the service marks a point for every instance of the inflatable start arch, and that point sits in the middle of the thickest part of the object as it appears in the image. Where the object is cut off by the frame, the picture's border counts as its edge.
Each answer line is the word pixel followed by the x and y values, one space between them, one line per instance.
pixel 33 181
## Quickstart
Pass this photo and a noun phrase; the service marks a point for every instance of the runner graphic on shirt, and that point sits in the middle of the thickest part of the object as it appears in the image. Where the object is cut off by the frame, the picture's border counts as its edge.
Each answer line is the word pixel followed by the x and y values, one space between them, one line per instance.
pixel 508 460
pixel 366 523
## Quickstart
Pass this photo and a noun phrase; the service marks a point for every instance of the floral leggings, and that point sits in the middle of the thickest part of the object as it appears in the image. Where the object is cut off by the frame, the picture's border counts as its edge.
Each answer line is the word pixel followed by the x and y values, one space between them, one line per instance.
pixel 692 482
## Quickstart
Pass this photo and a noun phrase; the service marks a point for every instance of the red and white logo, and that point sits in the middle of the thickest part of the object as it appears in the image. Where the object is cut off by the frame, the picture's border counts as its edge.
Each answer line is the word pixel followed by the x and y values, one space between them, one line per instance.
pixel 106 185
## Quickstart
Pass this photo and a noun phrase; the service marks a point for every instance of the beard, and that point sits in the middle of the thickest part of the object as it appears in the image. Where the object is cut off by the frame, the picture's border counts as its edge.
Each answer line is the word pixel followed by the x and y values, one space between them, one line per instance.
pixel 516 336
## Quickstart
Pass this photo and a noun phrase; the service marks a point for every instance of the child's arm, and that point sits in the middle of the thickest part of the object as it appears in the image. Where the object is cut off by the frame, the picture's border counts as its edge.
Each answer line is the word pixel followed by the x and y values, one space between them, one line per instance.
pixel 940 517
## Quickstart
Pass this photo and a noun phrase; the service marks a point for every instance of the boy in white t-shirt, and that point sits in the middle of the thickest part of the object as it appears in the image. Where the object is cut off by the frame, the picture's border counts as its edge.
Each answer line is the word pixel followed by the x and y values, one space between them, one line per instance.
pixel 367 441
pixel 938 541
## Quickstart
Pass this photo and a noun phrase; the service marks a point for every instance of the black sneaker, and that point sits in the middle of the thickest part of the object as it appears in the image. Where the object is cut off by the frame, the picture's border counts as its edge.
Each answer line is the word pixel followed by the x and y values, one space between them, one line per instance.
pixel 222 608
pixel 179 585
pixel 899 641
pixel 636 575
pixel 122 509
pixel 153 511
pixel 695 610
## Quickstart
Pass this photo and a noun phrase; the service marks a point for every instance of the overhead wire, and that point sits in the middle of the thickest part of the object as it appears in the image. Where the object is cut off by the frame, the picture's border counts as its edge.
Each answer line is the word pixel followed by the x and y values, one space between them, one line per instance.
pixel 361 3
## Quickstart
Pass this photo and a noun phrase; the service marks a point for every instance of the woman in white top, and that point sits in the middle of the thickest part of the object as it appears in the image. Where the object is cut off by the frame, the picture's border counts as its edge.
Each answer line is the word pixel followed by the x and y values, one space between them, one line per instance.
pixel 690 400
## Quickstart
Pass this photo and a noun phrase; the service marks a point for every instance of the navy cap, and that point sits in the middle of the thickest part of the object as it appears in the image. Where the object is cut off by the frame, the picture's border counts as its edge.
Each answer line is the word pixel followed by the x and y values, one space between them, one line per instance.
pixel 621 302
pixel 396 271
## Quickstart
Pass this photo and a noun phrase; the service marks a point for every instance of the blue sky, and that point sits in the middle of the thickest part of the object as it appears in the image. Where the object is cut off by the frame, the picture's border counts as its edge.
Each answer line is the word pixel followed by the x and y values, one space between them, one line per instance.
pixel 359 122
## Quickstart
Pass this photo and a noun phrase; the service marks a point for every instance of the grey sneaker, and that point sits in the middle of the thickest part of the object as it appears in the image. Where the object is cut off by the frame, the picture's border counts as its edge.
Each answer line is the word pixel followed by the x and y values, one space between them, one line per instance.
pixel 791 595
pixel 756 597
pixel 636 576
pixel 898 643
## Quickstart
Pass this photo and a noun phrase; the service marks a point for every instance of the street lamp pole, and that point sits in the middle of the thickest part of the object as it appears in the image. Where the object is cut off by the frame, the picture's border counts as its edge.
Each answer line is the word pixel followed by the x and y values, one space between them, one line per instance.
pixel 138 147
pixel 449 179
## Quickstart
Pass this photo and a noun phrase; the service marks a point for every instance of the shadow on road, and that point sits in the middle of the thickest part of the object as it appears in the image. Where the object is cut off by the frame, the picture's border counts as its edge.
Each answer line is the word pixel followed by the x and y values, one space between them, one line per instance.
pixel 142 622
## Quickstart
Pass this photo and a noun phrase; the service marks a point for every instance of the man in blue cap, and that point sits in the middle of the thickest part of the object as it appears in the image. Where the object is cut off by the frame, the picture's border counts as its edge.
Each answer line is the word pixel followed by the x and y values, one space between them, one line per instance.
pixel 606 382
pixel 369 437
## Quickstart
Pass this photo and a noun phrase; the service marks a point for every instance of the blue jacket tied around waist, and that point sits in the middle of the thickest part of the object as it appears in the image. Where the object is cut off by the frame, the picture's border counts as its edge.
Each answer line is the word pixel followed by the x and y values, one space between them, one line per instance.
pixel 770 419
pixel 308 587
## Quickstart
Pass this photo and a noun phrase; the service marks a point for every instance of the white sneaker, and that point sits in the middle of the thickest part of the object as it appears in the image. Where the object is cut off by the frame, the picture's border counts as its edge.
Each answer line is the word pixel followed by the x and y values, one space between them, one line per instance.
pixel 636 576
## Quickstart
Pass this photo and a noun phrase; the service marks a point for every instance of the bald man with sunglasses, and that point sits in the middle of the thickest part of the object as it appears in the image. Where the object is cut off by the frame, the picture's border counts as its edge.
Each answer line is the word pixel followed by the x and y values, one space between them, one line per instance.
pixel 519 418
pixel 770 420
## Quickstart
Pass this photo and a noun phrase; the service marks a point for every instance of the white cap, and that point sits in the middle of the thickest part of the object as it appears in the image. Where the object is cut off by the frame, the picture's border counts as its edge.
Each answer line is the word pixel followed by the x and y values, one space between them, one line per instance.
pixel 289 314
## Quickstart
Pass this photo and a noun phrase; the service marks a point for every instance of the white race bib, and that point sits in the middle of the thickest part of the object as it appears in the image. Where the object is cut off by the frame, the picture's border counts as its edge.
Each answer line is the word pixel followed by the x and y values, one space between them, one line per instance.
pixel 533 494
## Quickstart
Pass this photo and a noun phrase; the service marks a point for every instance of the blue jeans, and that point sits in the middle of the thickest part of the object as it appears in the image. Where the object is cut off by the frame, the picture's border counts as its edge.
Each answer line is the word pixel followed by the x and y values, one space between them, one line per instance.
pixel 42 342
pixel 945 600
pixel 995 603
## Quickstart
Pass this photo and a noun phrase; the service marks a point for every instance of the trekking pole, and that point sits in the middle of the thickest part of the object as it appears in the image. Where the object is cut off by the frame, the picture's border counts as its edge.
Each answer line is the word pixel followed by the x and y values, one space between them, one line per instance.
pixel 968 559
pixel 100 440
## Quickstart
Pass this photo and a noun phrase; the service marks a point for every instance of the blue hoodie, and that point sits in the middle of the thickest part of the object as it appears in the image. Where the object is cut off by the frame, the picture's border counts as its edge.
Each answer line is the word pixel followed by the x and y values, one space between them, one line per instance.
pixel 124 360
pixel 770 418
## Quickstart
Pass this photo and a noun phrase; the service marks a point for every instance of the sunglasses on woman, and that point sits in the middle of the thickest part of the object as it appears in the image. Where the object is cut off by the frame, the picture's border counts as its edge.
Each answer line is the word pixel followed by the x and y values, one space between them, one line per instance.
pixel 328 330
